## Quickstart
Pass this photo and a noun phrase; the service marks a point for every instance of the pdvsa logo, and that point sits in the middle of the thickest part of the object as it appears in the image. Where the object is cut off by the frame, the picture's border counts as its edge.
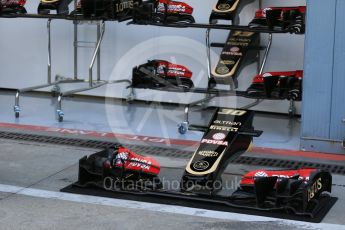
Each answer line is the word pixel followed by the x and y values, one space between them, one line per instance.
pixel 217 139
pixel 219 136
pixel 235 49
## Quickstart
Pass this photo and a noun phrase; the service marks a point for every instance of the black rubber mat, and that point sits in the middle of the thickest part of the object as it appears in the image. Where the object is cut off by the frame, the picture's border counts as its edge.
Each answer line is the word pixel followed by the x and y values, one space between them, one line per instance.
pixel 168 152
pixel 200 204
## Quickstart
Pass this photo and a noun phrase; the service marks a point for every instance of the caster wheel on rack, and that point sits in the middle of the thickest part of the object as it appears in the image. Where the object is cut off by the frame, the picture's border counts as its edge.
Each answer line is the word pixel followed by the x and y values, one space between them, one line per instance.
pixel 55 91
pixel 60 115
pixel 204 105
pixel 292 113
pixel 130 99
pixel 212 83
pixel 16 111
pixel 183 128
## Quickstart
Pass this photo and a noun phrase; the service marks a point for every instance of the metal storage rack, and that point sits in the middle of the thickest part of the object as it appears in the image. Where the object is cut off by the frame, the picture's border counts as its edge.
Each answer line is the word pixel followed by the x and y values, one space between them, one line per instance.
pixel 210 93
pixel 95 83
pixel 92 83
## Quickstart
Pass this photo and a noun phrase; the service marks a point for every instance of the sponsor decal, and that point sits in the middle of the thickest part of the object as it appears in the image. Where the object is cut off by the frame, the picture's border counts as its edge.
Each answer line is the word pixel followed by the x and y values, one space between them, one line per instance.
pixel 227 62
pixel 243 34
pixel 230 123
pixel 267 75
pixel 238 43
pixel 219 136
pixel 223 128
pixel 214 142
pixel 264 11
pixel 124 5
pixel 234 112
pixel 217 139
pixel 235 49
pixel 201 165
pixel 10 2
pixel 314 189
pixel 171 69
pixel 240 40
pixel 280 176
pixel 261 174
pixel 208 153
pixel 120 158
pixel 140 163
pixel 232 53
pixel 172 8
pixel 223 70
pixel 224 7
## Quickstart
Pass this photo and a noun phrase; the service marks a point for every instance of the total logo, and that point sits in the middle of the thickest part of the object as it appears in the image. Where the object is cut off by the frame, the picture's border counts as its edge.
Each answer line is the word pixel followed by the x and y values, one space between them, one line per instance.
pixel 267 75
pixel 261 174
pixel 120 159
pixel 265 174
pixel 217 139
pixel 265 11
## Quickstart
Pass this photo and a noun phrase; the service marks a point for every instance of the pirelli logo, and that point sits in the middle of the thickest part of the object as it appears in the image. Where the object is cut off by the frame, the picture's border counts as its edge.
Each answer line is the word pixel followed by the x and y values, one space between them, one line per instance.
pixel 223 128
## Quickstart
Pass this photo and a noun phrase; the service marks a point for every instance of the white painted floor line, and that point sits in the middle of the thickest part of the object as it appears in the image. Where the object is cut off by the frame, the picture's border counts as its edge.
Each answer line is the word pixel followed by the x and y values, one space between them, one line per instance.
pixel 158 207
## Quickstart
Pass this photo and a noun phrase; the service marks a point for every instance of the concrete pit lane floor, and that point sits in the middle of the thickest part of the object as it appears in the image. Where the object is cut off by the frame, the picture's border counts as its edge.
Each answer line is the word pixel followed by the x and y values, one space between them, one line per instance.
pixel 31 175
pixel 147 120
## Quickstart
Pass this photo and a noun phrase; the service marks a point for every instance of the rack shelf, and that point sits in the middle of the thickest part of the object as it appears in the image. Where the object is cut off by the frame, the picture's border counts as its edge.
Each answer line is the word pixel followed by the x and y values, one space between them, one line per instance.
pixel 160 24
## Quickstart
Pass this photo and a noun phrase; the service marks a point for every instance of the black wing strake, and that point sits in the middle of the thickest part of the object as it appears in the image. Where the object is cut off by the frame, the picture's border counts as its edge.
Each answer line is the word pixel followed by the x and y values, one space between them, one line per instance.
pixel 161 74
pixel 289 19
pixel 277 85
pixel 163 11
pixel 12 7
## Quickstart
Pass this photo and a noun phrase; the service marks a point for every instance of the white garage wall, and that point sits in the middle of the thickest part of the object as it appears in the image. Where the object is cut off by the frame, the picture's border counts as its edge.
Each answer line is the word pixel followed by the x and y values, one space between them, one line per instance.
pixel 23 55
